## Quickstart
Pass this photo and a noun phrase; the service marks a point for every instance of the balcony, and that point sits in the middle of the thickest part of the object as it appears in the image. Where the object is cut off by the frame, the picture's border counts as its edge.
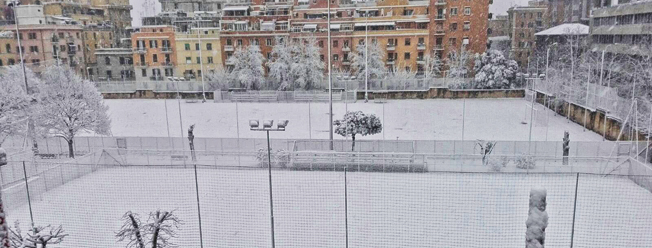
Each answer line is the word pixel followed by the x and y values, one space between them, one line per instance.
pixel 421 46
pixel 141 64
pixel 156 78
pixel 140 50
pixel 346 62
pixel 391 61
pixel 438 47
pixel 346 49
pixel 228 48
pixel 440 17
pixel 440 31
pixel 72 50
pixel 391 47
pixel 167 64
pixel 229 62
pixel 440 2
pixel 421 61
pixel 166 50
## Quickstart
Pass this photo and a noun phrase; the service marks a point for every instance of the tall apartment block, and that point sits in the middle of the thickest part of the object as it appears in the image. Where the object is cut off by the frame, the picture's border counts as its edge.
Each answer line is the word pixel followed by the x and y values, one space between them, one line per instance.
pixel 524 22
pixel 623 29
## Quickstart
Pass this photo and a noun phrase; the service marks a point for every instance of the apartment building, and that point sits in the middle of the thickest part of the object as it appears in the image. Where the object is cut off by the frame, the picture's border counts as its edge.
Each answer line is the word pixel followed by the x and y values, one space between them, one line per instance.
pixel 50 44
pixel 94 38
pixel 154 55
pixel 256 22
pixel 113 64
pixel 623 29
pixel 190 6
pixel 524 23
pixel 499 26
pixel 184 21
pixel 198 52
pixel 8 52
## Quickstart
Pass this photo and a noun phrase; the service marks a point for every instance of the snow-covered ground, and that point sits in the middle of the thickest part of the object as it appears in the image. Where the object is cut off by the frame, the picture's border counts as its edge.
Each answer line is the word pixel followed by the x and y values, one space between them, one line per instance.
pixel 384 209
pixel 440 119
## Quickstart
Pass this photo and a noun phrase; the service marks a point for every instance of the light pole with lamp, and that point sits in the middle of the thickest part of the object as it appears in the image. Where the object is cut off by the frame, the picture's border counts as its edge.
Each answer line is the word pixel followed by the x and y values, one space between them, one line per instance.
pixel 254 125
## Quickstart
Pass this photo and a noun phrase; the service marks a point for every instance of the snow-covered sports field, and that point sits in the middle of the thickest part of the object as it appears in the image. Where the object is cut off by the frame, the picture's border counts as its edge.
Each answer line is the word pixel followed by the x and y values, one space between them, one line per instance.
pixel 384 209
pixel 489 119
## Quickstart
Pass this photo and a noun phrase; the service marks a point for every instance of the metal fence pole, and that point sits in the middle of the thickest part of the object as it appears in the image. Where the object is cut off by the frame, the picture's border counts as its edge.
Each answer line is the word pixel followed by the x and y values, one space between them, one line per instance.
pixel 346 208
pixel 29 199
pixel 577 180
pixel 201 238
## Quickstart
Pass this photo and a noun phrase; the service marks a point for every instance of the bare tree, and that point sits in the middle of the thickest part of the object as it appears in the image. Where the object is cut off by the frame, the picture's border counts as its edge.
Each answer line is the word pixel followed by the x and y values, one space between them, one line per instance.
pixel 131 230
pixel 162 226
pixel 37 237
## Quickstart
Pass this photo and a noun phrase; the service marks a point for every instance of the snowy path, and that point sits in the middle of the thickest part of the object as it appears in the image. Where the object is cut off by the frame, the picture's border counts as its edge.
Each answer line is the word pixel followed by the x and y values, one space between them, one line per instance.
pixel 439 119
pixel 384 209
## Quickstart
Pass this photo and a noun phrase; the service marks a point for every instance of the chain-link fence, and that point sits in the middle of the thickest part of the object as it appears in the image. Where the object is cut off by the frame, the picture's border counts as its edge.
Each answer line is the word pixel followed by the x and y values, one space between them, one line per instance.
pixel 333 208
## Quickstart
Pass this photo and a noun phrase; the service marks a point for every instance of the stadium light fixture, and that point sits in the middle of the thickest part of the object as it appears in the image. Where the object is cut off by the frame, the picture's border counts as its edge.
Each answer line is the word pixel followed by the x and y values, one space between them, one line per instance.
pixel 268 126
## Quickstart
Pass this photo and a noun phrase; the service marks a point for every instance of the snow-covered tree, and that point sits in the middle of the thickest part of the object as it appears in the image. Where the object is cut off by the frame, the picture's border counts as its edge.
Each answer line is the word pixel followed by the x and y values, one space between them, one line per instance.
pixel 14 103
pixel 357 123
pixel 458 65
pixel 161 226
pixel 69 106
pixel 494 71
pixel 432 66
pixel 5 240
pixel 308 69
pixel 220 79
pixel 37 237
pixel 537 220
pixel 401 78
pixel 280 65
pixel 377 69
pixel 248 70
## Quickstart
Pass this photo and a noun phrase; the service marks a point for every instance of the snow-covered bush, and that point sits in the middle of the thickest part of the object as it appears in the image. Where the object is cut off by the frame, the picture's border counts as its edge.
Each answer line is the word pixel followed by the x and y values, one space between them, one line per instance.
pixel 36 237
pixel 355 123
pixel 525 162
pixel 282 158
pixel 495 164
pixel 537 220
pixel 262 157
pixel 494 71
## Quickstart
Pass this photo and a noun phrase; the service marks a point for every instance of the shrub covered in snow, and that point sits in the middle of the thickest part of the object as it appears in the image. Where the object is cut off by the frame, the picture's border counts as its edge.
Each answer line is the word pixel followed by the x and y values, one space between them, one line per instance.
pixel 537 220
pixel 494 71
pixel 525 162
pixel 38 236
pixel 280 158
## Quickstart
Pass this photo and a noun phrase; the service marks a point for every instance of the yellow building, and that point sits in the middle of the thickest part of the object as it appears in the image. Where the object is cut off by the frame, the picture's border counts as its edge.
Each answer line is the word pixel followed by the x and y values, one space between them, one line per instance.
pixel 95 38
pixel 188 48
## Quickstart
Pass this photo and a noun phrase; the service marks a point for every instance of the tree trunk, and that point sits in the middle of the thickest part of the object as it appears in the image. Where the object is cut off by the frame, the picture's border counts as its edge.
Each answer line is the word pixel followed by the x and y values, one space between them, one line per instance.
pixel 71 152
pixel 353 144
pixel 139 237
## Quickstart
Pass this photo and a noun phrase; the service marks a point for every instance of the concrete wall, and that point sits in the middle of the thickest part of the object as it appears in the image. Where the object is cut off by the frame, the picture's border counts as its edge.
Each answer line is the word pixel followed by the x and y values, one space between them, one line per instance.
pixel 442 93
pixel 593 120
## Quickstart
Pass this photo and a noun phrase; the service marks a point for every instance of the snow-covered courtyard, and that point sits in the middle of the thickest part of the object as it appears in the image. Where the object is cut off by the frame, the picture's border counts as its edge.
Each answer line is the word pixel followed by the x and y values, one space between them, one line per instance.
pixel 384 209
pixel 471 119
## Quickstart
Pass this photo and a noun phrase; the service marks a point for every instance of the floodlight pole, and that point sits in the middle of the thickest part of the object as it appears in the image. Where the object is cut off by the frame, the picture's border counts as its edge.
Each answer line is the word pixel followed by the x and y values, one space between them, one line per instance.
pixel 330 83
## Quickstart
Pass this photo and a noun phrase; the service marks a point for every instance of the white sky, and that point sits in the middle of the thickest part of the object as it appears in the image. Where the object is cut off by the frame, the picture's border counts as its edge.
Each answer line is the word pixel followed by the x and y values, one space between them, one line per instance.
pixel 499 8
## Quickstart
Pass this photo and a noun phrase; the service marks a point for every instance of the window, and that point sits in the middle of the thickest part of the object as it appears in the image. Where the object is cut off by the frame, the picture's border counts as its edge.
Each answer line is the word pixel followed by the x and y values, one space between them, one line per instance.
pixel 107 61
pixel 198 60
pixel 336 43
pixel 269 42
pixel 407 41
pixel 11 62
pixel 36 62
pixel 1 63
pixel 209 46
pixel 269 56
pixel 109 74
pixel 453 26
pixel 229 42
pixel 321 43
pixel 422 41
pixel 169 72
pixel 187 47
pixel 467 26
pixel 60 35
pixel 467 10
pixel 238 42
pixel 453 11
pixel 153 43
pixel 408 12
pixel 8 48
pixel 452 41
pixel 210 60
pixel 336 57
pixel 155 58
pixel 188 60
pixel 406 56
pixel 31 36
pixel 321 57
pixel 33 49
pixel 143 72
pixel 197 47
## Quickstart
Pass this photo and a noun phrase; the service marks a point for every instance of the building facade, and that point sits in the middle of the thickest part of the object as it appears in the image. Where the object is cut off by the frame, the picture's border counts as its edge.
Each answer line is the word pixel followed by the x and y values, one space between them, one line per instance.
pixel 190 6
pixel 623 29
pixel 49 45
pixel 154 53
pixel 524 23
pixel 499 26
pixel 198 52
pixel 113 64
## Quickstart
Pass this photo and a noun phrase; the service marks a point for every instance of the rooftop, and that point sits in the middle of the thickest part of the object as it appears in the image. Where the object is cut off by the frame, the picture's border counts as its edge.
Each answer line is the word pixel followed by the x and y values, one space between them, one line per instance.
pixel 566 28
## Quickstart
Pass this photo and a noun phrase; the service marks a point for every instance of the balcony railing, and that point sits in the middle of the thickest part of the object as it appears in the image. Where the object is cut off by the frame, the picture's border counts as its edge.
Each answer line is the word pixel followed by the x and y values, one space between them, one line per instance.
pixel 166 49
pixel 440 17
pixel 391 47
pixel 438 47
pixel 167 63
pixel 440 2
pixel 391 61
pixel 346 62
pixel 440 31
pixel 228 48
pixel 421 46
pixel 346 49
pixel 140 50
pixel 156 78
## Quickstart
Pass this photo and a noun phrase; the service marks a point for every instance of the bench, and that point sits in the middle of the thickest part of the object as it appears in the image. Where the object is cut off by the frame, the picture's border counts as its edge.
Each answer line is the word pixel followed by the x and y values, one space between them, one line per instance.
pixel 178 157
pixel 268 97
pixel 48 155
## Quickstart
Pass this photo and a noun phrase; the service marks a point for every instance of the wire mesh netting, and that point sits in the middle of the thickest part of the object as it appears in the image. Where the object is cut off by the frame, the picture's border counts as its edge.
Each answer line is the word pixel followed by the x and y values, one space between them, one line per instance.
pixel 332 208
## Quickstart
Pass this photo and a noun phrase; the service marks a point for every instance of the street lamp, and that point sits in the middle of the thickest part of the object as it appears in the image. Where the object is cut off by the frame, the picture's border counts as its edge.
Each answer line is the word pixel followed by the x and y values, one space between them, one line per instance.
pixel 268 126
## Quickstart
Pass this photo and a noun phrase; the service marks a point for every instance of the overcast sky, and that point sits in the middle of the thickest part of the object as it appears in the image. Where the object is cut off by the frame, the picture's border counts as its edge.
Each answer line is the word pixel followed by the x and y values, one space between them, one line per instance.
pixel 499 7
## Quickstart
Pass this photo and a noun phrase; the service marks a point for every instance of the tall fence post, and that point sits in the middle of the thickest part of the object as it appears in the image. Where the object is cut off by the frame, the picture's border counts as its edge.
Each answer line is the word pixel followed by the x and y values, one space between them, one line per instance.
pixel 201 238
pixel 29 199
pixel 577 180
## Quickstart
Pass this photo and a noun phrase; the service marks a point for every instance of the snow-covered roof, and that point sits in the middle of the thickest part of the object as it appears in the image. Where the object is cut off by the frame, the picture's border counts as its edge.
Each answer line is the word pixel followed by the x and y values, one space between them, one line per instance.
pixel 499 38
pixel 236 8
pixel 565 29
pixel 371 24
